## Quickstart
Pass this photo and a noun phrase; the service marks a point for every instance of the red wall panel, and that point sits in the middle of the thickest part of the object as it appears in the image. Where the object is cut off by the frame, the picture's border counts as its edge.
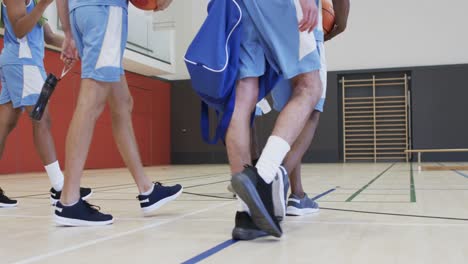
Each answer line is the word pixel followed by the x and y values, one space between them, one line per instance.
pixel 151 120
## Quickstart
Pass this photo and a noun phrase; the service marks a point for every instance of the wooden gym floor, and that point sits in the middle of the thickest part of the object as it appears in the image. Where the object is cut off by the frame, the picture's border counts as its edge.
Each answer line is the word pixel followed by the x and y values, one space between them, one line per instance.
pixel 371 213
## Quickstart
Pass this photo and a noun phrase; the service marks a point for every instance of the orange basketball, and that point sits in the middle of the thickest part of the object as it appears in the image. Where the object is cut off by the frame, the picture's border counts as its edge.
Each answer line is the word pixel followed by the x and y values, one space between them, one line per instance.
pixel 328 16
pixel 145 4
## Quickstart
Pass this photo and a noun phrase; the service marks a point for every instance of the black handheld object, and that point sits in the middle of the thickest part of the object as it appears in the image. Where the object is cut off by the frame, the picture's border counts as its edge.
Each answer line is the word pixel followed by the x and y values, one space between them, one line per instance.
pixel 47 90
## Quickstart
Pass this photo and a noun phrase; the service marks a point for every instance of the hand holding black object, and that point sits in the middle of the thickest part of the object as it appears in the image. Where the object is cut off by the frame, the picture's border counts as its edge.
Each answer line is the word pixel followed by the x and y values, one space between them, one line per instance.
pixel 46 92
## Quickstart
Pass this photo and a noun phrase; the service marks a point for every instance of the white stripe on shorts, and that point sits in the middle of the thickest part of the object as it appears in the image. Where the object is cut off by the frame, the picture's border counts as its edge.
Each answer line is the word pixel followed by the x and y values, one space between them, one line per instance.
pixel 24 50
pixel 110 50
pixel 323 69
pixel 32 80
pixel 307 43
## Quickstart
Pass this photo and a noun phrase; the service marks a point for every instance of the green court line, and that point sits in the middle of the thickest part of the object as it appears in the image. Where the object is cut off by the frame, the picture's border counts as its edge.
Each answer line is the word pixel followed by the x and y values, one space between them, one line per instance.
pixel 412 187
pixel 367 185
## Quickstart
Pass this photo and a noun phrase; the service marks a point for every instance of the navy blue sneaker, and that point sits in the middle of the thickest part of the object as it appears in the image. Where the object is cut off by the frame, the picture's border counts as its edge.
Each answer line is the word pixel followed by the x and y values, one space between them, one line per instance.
pixel 5 201
pixel 159 197
pixel 245 229
pixel 301 206
pixel 258 195
pixel 81 214
pixel 85 193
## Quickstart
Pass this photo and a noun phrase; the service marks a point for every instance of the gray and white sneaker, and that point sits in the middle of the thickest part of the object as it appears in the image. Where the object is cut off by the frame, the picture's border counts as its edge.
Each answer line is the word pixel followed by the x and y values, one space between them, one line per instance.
pixel 258 196
pixel 280 191
pixel 301 206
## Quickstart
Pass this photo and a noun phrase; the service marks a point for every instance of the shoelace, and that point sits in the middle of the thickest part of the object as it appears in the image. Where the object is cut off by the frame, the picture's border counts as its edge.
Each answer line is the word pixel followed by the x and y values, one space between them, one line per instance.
pixel 91 207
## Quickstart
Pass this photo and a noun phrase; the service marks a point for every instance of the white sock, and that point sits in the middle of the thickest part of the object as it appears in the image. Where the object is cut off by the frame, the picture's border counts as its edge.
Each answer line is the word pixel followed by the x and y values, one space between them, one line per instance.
pixel 149 191
pixel 273 154
pixel 243 206
pixel 55 175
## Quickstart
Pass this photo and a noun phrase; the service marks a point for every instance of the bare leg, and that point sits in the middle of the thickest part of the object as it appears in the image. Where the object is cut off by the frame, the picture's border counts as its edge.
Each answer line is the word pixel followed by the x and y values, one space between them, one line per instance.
pixel 306 93
pixel 238 133
pixel 121 104
pixel 293 160
pixel 254 148
pixel 307 90
pixel 91 102
pixel 43 138
pixel 8 119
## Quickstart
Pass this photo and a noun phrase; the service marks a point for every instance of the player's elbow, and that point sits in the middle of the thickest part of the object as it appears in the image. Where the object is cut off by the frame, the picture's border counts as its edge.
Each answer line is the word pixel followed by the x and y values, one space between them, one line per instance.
pixel 48 39
pixel 19 32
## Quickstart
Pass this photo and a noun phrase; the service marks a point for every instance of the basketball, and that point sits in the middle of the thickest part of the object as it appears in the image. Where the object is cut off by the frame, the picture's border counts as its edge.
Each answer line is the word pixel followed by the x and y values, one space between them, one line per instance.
pixel 145 4
pixel 328 16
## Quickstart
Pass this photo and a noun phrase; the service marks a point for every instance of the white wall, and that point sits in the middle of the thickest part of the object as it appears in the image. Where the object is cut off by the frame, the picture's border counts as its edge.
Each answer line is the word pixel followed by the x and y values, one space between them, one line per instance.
pixel 188 18
pixel 395 33
pixel 380 34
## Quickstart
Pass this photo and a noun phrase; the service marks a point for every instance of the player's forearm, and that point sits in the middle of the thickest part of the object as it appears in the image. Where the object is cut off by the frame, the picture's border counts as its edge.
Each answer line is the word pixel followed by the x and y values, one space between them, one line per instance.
pixel 51 38
pixel 63 13
pixel 341 8
pixel 25 24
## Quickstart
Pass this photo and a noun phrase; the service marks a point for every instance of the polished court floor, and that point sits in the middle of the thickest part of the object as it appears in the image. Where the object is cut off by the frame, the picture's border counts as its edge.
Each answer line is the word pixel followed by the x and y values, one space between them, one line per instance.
pixel 371 213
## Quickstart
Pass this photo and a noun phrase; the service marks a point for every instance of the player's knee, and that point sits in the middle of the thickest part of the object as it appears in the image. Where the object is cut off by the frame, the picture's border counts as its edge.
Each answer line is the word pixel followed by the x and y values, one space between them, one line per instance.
pixel 246 95
pixel 123 108
pixel 91 109
pixel 44 123
pixel 10 124
pixel 129 104
pixel 307 87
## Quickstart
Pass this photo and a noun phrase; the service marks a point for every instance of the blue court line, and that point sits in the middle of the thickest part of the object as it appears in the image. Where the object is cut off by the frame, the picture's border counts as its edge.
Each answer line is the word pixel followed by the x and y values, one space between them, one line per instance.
pixel 323 194
pixel 457 172
pixel 211 252
pixel 461 173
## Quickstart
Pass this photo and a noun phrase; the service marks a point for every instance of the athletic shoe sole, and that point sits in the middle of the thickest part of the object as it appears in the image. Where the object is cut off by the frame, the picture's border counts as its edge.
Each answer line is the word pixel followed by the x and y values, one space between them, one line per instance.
pixel 279 199
pixel 63 221
pixel 156 206
pixel 247 234
pixel 294 211
pixel 53 201
pixel 231 190
pixel 248 193
pixel 4 205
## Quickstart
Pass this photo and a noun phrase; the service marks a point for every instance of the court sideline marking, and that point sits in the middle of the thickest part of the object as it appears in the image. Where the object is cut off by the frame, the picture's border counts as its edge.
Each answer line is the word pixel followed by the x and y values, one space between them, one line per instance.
pixel 118 235
pixel 456 171
pixel 412 186
pixel 395 214
pixel 368 184
pixel 211 251
pixel 216 249
pixel 131 185
pixel 460 173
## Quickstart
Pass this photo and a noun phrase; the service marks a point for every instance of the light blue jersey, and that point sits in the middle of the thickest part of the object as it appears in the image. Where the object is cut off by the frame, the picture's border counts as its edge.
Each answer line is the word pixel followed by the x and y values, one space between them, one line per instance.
pixel 28 50
pixel 72 4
